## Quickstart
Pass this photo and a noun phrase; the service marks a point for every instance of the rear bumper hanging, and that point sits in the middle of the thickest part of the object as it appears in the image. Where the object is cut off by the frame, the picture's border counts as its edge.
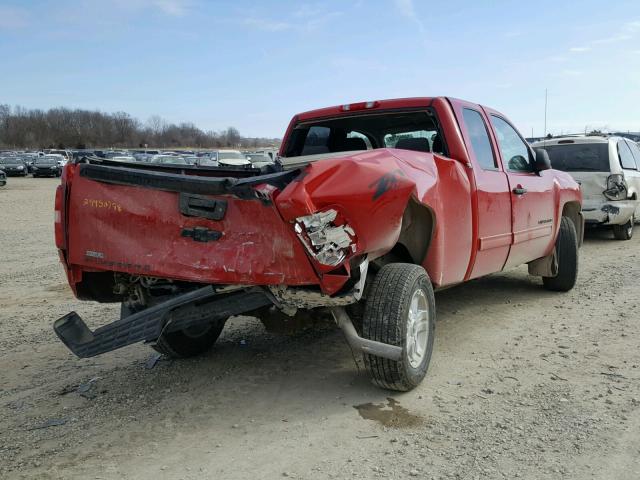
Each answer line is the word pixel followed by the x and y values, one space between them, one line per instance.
pixel 195 307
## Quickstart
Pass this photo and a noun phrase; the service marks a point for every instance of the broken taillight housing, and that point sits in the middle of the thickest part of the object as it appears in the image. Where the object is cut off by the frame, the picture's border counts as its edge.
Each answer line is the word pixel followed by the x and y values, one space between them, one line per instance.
pixel 326 240
pixel 616 187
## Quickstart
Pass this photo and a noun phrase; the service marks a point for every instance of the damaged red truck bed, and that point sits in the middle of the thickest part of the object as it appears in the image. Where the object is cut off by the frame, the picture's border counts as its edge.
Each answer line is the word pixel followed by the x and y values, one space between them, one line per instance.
pixel 369 208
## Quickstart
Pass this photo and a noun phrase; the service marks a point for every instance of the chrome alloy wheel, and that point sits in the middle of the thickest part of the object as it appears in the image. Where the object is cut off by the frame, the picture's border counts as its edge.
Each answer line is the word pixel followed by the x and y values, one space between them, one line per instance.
pixel 418 330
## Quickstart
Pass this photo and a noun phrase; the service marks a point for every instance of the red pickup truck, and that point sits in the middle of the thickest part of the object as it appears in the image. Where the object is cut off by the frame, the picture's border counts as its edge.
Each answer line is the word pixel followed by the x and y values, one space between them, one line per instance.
pixel 369 208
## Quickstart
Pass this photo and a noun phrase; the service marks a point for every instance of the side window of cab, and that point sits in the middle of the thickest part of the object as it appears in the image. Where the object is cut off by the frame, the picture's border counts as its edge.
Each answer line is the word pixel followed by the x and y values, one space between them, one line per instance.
pixel 626 157
pixel 635 150
pixel 514 150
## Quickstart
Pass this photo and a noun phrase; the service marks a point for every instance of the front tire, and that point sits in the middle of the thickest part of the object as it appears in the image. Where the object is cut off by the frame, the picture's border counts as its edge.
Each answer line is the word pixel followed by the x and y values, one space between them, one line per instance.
pixel 624 232
pixel 400 310
pixel 567 256
pixel 191 341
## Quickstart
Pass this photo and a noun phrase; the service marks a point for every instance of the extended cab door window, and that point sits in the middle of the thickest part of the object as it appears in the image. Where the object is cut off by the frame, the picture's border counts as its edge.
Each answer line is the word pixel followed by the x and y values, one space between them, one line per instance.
pixel 479 137
pixel 515 153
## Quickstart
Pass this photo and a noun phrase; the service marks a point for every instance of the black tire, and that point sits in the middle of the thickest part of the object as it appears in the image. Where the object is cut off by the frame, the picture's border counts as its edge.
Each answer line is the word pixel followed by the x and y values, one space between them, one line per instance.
pixel 624 232
pixel 567 255
pixel 386 320
pixel 189 342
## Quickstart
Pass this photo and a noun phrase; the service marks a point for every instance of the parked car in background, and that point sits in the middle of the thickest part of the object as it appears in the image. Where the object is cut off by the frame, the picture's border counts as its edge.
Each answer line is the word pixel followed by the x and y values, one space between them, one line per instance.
pixel 145 150
pixel 232 158
pixel 259 160
pixel 47 166
pixel 60 159
pixel 116 153
pixel 271 153
pixel 143 157
pixel 29 157
pixel 608 170
pixel 122 158
pixel 14 166
pixel 190 159
pixel 78 154
pixel 3 178
pixel 66 155
pixel 207 159
pixel 168 160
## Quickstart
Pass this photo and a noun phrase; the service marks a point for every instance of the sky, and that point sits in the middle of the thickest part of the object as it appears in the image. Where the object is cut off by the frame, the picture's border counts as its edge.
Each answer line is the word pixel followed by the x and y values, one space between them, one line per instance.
pixel 253 65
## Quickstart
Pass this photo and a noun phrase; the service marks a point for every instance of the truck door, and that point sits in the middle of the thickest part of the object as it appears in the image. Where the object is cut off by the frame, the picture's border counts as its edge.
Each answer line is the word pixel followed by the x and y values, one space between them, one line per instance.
pixel 492 202
pixel 532 195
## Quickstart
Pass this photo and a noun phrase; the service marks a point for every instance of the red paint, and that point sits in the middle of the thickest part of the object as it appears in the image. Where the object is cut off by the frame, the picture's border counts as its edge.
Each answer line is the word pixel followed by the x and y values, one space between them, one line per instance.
pixel 480 225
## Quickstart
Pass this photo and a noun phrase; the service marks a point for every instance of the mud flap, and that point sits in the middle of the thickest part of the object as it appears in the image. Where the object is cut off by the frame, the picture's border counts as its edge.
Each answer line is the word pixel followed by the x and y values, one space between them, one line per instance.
pixel 545 266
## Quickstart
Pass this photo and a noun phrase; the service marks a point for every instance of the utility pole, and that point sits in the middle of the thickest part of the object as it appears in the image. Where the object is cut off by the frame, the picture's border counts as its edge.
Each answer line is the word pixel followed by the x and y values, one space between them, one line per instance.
pixel 545 115
pixel 545 112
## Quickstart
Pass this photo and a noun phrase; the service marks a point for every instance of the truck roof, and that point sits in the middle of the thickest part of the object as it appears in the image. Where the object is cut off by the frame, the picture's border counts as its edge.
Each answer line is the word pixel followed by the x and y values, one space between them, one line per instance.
pixel 574 139
pixel 411 102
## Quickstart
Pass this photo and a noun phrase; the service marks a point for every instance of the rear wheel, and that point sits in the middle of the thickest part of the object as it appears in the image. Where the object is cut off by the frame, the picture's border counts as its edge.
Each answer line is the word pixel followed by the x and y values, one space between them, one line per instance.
pixel 400 310
pixel 624 232
pixel 191 341
pixel 567 256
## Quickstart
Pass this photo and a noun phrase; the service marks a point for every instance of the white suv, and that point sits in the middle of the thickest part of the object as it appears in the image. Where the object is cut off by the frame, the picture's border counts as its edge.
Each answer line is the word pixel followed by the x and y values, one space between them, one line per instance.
pixel 608 171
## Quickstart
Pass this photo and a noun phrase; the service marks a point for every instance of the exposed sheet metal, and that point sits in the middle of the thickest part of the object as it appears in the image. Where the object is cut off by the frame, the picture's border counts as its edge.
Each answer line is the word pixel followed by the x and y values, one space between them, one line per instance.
pixel 326 242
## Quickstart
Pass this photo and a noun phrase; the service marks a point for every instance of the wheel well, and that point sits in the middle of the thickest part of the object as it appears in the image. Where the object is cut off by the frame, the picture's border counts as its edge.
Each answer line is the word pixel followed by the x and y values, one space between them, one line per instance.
pixel 415 236
pixel 572 210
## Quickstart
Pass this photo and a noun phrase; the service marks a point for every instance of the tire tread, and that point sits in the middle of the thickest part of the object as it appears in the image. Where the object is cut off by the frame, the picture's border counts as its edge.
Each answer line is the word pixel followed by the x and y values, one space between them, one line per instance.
pixel 567 250
pixel 383 320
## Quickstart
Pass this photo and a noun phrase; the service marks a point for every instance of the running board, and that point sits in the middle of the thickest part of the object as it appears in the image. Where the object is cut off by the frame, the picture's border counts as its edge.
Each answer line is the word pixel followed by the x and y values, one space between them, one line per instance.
pixel 192 308
pixel 371 347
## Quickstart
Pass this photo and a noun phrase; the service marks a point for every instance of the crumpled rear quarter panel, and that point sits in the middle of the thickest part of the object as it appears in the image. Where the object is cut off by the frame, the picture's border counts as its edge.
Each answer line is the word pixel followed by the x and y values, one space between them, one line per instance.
pixel 372 190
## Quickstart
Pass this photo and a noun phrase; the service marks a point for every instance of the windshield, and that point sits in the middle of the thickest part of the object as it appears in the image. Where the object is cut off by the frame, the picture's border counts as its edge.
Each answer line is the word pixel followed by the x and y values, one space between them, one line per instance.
pixel 59 152
pixel 10 160
pixel 47 160
pixel 174 160
pixel 231 156
pixel 579 157
pixel 258 157
pixel 206 161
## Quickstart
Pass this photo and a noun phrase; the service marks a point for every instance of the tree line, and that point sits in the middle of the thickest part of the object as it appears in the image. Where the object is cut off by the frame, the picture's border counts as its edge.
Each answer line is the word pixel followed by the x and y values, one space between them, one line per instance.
pixel 75 128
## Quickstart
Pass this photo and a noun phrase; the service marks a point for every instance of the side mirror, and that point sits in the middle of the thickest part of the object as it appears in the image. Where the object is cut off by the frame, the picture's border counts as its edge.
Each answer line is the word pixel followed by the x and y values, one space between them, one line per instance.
pixel 542 161
pixel 519 164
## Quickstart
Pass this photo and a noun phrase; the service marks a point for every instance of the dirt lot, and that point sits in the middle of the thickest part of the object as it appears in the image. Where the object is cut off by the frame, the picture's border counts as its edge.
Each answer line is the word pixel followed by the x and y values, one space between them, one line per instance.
pixel 524 383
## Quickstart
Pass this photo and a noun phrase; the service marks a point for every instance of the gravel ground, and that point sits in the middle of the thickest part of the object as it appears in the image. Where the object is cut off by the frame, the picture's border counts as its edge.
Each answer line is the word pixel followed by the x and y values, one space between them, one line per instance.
pixel 524 383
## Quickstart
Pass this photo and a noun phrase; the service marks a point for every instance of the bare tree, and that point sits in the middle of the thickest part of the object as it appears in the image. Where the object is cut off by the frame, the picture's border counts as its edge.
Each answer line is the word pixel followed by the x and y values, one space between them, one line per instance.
pixel 64 127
